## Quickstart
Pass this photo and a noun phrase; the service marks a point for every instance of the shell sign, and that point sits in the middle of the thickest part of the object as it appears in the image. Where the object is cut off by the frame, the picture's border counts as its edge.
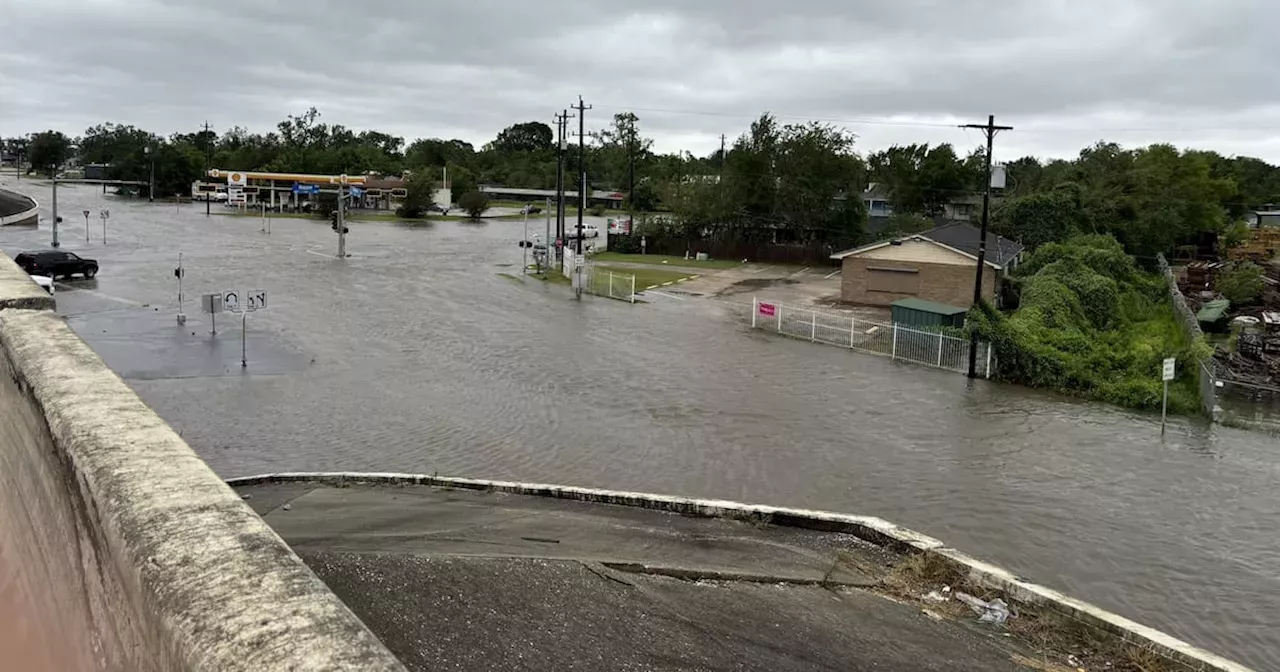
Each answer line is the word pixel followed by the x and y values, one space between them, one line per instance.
pixel 236 178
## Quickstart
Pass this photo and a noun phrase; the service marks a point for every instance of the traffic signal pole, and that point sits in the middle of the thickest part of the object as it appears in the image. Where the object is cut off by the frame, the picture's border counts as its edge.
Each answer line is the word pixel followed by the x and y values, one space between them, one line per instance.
pixel 342 223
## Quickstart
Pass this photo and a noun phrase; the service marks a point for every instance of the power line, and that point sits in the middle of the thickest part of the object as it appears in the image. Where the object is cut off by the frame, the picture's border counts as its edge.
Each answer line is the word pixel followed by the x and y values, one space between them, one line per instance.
pixel 927 124
pixel 707 113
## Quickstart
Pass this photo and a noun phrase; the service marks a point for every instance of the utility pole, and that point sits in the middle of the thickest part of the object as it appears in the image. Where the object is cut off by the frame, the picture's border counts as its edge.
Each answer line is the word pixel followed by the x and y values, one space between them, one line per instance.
pixel 560 121
pixel 208 147
pixel 722 156
pixel 720 177
pixel 582 167
pixel 151 184
pixel 989 129
pixel 562 128
pixel 631 160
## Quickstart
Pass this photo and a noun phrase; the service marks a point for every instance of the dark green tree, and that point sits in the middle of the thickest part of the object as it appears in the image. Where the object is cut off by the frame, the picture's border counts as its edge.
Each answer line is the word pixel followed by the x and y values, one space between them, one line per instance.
pixel 48 149
pixel 419 195
pixel 474 203
pixel 531 136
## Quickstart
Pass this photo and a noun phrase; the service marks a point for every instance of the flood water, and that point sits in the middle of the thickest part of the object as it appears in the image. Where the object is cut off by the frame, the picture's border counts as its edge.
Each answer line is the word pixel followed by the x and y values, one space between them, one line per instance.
pixel 416 355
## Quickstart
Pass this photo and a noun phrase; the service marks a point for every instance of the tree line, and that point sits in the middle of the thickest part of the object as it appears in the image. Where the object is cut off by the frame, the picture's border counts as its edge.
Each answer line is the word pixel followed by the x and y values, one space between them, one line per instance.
pixel 783 183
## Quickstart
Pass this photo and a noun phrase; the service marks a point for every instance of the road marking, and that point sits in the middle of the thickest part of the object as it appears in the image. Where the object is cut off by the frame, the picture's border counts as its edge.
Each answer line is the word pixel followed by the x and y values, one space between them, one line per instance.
pixel 73 289
pixel 666 283
pixel 651 287
pixel 320 254
pixel 832 274
pixel 671 296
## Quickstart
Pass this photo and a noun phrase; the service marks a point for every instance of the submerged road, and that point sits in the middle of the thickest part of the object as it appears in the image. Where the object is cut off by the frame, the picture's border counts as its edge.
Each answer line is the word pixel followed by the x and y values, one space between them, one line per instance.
pixel 416 355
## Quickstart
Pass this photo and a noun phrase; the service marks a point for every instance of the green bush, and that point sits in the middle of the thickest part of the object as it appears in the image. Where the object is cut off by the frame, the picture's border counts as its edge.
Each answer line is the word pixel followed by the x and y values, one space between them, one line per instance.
pixel 1092 325
pixel 474 203
pixel 1241 284
pixel 624 243
pixel 597 211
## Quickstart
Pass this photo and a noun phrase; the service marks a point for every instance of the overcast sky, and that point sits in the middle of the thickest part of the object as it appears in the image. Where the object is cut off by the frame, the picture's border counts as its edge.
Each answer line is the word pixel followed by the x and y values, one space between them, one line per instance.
pixel 1065 73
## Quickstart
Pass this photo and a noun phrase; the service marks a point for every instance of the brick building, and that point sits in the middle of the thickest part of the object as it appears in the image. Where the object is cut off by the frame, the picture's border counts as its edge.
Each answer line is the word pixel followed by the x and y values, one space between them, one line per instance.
pixel 937 265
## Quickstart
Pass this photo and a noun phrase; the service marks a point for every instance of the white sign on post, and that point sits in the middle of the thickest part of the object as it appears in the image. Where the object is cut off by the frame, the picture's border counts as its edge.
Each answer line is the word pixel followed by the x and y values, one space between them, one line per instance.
pixel 238 301
pixel 1167 371
pixel 255 299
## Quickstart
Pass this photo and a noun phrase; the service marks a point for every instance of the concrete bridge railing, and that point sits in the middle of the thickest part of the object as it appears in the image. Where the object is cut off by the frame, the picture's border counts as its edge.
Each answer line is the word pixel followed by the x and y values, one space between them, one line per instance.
pixel 120 549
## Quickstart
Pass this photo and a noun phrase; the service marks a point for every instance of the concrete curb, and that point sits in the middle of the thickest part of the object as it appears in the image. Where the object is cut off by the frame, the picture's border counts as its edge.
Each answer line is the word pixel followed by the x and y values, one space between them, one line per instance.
pixel 874 530
pixel 32 213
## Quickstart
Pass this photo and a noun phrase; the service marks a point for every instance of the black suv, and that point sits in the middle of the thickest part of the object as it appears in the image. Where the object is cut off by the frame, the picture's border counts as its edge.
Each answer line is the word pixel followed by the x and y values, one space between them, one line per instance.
pixel 56 263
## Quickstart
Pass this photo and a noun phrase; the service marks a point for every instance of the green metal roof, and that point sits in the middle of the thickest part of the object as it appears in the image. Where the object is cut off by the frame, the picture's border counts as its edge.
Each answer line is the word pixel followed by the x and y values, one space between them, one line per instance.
pixel 1213 311
pixel 929 307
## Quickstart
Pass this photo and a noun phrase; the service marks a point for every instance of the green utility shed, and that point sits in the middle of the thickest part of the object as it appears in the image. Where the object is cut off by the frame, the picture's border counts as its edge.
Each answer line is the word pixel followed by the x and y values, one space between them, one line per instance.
pixel 921 314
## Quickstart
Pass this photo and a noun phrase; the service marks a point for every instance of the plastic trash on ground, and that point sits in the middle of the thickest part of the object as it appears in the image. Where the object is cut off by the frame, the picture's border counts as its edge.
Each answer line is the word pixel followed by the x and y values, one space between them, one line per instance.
pixel 995 611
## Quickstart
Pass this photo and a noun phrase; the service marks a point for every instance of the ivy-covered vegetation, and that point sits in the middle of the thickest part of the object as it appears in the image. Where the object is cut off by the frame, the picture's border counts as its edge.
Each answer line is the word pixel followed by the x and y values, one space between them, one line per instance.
pixel 1091 323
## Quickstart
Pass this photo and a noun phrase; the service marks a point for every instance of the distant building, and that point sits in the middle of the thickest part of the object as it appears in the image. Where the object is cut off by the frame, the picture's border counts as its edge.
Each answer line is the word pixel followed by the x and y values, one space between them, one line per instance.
pixel 97 171
pixel 609 199
pixel 1269 217
pixel 937 265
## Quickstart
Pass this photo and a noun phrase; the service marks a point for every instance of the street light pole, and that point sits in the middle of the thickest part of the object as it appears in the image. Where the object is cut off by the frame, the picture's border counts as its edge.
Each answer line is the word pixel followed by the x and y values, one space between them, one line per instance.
pixel 208 146
pixel 151 185
pixel 54 205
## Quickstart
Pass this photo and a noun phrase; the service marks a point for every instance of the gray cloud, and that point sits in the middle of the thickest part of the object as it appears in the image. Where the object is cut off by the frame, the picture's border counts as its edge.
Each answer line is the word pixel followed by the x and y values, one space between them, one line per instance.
pixel 1064 73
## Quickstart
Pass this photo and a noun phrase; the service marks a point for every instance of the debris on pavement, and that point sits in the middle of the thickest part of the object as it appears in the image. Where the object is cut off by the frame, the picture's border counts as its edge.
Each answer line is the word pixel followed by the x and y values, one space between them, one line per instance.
pixel 995 611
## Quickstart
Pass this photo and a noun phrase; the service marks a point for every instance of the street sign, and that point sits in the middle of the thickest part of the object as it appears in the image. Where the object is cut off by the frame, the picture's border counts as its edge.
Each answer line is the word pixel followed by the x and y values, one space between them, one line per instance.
pixel 299 188
pixel 1167 371
pixel 356 192
pixel 86 213
pixel 255 299
pixel 231 301
pixel 211 303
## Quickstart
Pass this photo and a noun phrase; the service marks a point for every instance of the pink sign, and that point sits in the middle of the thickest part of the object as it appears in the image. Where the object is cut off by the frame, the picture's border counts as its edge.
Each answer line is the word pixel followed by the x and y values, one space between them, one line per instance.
pixel 768 309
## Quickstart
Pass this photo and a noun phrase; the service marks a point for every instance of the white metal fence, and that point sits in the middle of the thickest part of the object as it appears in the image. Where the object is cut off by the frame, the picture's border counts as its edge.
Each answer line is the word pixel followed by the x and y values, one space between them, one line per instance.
pixel 919 346
pixel 609 283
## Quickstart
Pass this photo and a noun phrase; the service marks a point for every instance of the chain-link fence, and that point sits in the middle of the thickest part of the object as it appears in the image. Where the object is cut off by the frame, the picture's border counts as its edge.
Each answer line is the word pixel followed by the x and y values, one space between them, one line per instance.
pixel 919 346
pixel 1185 315
pixel 609 283
pixel 1223 398
pixel 1237 402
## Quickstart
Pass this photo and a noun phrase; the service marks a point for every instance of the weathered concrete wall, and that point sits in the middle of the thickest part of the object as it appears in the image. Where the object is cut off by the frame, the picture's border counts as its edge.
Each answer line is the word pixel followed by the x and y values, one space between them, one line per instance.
pixel 16 209
pixel 875 530
pixel 119 548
